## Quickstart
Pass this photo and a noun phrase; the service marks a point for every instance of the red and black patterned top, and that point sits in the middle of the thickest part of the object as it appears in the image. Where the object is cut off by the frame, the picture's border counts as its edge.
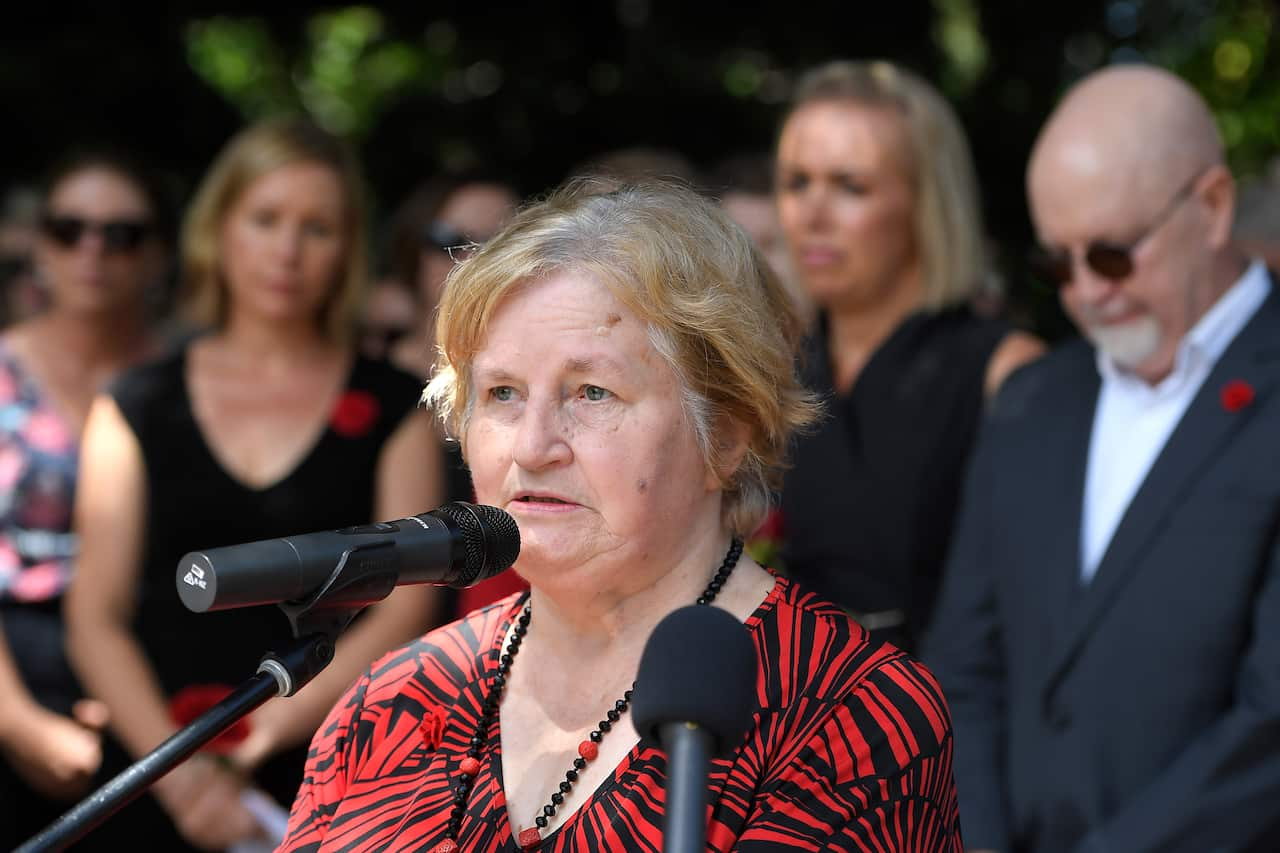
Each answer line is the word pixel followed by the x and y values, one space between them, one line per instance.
pixel 850 750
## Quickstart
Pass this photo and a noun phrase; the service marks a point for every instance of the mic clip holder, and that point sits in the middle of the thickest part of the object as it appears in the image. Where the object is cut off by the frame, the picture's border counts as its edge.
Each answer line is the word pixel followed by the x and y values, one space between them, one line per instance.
pixel 316 622
pixel 330 609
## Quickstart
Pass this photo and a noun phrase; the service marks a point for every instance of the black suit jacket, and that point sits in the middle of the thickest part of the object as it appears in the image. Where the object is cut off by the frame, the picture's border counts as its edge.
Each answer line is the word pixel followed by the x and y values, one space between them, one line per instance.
pixel 1140 712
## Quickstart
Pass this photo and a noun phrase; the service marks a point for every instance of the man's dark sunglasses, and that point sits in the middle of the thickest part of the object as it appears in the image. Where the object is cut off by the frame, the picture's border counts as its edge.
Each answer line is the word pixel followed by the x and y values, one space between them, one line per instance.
pixel 118 235
pixel 1113 261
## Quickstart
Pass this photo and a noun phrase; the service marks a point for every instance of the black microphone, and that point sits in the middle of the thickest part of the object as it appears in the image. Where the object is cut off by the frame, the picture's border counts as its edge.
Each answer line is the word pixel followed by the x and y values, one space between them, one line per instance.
pixel 695 692
pixel 457 545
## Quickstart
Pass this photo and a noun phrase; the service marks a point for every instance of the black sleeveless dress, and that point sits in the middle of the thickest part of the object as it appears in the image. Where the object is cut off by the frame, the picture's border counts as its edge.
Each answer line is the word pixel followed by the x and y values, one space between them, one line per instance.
pixel 194 503
pixel 868 506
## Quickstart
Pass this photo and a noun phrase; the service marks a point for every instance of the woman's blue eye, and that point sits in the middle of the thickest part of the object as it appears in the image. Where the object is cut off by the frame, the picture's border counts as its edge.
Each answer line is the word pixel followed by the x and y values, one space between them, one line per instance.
pixel 502 393
pixel 594 393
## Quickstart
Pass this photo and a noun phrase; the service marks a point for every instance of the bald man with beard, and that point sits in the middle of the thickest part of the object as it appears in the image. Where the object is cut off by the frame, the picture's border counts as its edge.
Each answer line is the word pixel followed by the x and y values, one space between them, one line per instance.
pixel 1108 634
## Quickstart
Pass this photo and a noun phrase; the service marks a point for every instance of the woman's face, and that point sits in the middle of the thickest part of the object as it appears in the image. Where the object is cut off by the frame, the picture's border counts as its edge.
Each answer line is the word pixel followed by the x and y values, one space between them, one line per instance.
pixel 577 431
pixel 846 201
pixel 474 212
pixel 284 243
pixel 97 249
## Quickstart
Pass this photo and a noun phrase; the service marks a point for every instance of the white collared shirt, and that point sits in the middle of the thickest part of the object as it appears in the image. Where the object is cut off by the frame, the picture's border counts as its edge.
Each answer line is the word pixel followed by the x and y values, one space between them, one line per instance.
pixel 1133 420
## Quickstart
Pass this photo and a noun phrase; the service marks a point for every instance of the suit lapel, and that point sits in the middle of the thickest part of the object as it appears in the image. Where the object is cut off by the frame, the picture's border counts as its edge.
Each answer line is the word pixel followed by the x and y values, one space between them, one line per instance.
pixel 1073 423
pixel 1202 435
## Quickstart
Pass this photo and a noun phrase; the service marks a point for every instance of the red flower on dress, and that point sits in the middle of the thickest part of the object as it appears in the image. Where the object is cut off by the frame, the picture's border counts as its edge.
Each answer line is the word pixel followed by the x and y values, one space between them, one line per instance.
pixel 193 700
pixel 432 727
pixel 1236 394
pixel 355 414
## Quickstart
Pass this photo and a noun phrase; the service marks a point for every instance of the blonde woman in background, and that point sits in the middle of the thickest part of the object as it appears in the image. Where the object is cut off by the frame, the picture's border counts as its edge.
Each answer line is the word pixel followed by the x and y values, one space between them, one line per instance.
pixel 879 205
pixel 268 425
pixel 438 225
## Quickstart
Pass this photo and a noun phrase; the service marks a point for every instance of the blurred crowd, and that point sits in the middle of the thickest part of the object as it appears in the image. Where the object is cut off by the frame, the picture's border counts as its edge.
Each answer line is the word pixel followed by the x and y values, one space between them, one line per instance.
pixel 1082 541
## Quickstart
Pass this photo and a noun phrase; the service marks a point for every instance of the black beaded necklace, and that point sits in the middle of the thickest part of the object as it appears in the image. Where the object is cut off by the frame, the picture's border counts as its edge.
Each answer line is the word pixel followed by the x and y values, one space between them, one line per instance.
pixel 587 750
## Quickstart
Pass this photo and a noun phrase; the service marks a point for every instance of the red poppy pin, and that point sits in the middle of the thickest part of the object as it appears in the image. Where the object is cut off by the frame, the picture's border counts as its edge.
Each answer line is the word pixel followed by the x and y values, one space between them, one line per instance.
pixel 1236 394
pixel 355 414
pixel 192 701
pixel 432 727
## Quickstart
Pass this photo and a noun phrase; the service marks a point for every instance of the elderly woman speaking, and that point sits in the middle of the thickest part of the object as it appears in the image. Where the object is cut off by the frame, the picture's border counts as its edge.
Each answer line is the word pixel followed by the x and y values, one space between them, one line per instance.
pixel 618 365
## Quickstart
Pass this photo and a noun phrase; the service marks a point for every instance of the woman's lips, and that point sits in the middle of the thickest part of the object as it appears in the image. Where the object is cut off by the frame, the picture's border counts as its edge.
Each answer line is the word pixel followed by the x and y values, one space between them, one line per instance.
pixel 542 504
pixel 819 257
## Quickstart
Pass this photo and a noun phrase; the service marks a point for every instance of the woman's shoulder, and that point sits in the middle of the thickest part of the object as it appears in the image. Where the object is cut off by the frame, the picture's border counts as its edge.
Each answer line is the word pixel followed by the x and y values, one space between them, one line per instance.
pixel 819 652
pixel 824 670
pixel 156 380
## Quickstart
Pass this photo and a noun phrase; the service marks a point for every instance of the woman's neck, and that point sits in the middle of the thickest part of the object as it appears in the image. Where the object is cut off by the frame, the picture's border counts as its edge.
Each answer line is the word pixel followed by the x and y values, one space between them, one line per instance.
pixel 577 624
pixel 93 342
pixel 855 332
pixel 271 343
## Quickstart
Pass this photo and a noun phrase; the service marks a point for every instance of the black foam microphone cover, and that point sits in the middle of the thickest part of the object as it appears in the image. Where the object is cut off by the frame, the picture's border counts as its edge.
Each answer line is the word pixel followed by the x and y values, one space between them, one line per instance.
pixel 698 666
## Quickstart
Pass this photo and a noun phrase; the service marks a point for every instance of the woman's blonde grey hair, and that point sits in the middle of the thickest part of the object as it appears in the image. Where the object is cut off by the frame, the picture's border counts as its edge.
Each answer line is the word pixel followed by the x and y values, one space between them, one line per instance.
pixel 251 154
pixel 714 311
pixel 948 214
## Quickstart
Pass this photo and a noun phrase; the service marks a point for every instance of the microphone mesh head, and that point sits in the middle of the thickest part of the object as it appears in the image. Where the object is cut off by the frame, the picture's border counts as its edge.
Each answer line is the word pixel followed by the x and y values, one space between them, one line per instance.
pixel 490 537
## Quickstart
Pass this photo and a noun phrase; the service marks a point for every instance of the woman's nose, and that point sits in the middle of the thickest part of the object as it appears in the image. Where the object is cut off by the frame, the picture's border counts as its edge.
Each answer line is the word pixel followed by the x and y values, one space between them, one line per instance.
pixel 814 207
pixel 541 437
pixel 287 244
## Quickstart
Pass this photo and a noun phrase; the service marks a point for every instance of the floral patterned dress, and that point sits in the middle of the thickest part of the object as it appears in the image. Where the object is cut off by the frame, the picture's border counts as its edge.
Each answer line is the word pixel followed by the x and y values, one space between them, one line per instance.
pixel 38 456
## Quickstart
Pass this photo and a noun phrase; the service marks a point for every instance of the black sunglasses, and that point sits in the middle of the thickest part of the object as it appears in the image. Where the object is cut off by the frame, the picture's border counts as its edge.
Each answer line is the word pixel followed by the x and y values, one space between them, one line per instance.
pixel 1113 261
pixel 118 235
pixel 451 241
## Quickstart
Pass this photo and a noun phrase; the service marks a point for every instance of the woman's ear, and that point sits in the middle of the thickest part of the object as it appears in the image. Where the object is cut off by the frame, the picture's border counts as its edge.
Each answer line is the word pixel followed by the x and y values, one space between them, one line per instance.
pixel 732 437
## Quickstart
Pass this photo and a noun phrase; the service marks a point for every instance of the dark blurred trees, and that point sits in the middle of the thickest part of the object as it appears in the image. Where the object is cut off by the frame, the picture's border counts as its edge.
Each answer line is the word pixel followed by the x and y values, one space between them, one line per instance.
pixel 534 89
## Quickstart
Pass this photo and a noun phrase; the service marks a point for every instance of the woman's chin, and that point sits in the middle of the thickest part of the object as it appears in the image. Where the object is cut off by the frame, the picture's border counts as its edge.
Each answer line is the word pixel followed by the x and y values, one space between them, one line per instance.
pixel 555 526
pixel 549 557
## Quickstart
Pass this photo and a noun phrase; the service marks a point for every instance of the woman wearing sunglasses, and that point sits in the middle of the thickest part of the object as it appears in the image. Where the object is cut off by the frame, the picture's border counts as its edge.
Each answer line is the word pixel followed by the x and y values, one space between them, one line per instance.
pixel 437 226
pixel 100 247
pixel 269 425
pixel 879 206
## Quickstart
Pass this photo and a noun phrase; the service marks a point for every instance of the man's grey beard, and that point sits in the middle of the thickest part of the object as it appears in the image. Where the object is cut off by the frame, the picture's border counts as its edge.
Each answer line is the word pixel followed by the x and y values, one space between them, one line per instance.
pixel 1127 344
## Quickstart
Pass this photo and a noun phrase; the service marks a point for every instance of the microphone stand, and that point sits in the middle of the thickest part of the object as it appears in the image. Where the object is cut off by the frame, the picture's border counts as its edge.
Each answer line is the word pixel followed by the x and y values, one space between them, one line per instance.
pixel 316 622
pixel 689 748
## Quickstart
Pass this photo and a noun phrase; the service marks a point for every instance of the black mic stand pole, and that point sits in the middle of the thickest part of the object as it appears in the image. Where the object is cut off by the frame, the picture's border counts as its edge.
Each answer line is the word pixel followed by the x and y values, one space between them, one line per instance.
pixel 688 747
pixel 316 623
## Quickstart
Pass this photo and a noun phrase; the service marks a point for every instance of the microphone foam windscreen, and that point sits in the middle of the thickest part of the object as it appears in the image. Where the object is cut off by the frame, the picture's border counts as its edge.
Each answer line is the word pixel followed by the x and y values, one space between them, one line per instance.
pixel 699 665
